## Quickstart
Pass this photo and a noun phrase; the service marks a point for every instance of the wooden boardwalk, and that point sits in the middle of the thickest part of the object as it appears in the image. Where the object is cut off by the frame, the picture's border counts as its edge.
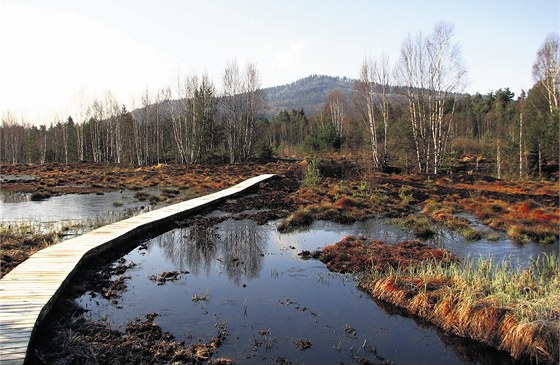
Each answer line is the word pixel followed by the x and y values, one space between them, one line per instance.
pixel 28 292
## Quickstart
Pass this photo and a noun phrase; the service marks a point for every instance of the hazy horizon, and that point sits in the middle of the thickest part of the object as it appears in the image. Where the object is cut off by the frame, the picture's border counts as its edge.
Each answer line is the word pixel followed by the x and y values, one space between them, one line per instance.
pixel 59 54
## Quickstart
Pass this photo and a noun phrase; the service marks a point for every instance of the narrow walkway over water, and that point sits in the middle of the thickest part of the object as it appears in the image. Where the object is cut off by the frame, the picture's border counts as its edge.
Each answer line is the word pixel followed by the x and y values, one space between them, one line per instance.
pixel 28 292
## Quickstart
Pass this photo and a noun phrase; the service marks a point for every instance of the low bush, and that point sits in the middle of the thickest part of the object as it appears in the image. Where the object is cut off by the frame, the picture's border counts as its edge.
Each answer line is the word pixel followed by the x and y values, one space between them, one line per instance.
pixel 312 176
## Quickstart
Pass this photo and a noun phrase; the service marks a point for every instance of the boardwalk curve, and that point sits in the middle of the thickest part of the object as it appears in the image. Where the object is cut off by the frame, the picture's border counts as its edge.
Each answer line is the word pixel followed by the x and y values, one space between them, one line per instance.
pixel 28 292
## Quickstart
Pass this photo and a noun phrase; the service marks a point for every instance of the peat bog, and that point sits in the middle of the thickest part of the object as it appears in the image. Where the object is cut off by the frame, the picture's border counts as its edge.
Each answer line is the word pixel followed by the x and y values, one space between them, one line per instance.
pixel 230 288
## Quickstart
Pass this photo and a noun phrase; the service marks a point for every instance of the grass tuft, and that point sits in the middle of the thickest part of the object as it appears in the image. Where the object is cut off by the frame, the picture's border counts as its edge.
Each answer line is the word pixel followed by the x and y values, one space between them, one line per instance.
pixel 302 217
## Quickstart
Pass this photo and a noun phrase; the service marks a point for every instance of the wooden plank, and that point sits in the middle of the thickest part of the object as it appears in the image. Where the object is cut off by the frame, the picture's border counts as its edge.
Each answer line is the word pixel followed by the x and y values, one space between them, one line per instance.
pixel 20 338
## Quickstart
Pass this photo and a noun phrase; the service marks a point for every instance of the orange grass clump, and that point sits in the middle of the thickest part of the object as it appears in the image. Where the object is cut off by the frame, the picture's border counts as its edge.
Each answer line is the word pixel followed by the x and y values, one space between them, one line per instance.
pixel 355 253
pixel 346 202
pixel 493 325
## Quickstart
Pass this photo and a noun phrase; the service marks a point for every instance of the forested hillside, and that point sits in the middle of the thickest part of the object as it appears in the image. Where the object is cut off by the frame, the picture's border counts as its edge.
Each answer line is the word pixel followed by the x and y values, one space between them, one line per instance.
pixel 309 94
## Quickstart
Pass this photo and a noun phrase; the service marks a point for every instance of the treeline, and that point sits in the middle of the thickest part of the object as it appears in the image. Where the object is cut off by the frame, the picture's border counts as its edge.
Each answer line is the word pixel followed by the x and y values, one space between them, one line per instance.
pixel 190 124
pixel 424 124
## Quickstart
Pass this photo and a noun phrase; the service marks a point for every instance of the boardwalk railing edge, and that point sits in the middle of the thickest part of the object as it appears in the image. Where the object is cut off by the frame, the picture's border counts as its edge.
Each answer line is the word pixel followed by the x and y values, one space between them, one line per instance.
pixel 24 292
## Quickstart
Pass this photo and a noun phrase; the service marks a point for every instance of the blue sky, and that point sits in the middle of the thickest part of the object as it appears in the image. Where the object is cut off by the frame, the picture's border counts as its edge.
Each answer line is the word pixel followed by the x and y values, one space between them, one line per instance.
pixel 58 54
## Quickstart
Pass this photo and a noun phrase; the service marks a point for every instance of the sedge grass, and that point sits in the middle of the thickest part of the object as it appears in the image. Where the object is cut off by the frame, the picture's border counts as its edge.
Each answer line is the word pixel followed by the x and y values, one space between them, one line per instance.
pixel 500 303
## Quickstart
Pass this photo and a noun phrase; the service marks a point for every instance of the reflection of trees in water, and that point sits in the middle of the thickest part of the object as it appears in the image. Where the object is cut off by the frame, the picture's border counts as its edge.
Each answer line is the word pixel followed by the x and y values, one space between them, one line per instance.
pixel 243 249
pixel 191 247
pixel 200 247
pixel 170 244
pixel 239 246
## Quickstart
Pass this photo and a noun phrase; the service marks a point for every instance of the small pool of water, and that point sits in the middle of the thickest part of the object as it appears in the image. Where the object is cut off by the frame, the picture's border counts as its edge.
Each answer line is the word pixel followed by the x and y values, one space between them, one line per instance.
pixel 17 206
pixel 252 281
pixel 16 178
pixel 501 248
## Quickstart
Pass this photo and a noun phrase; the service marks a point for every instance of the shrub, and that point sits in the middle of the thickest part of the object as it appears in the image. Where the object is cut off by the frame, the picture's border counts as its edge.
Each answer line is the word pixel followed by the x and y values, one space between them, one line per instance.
pixel 423 230
pixel 363 191
pixel 379 197
pixel 312 177
pixel 265 152
pixel 169 192
pixel 405 195
pixel 154 199
pixel 493 236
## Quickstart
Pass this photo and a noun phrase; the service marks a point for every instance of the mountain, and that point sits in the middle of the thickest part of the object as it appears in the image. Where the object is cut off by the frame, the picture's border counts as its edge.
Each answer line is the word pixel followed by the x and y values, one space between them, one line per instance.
pixel 309 93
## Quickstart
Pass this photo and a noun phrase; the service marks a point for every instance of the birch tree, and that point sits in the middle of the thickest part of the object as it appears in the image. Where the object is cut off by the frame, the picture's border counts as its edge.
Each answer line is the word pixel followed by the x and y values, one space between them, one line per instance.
pixel 546 69
pixel 431 69
pixel 113 137
pixel 336 110
pixel 543 125
pixel 158 126
pixel 254 106
pixel 97 115
pixel 232 109
pixel 176 123
pixel 242 103
pixel 383 84
pixel 372 91
pixel 366 98
pixel 11 140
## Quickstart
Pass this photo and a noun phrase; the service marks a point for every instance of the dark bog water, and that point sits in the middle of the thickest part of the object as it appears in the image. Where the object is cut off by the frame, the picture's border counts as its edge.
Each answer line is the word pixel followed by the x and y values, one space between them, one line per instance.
pixel 249 278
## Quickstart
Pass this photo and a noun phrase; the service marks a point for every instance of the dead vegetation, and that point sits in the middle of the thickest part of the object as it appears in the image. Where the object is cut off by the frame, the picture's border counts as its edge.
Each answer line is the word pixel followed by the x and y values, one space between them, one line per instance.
pixel 142 342
pixel 19 242
pixel 527 211
pixel 166 276
pixel 174 180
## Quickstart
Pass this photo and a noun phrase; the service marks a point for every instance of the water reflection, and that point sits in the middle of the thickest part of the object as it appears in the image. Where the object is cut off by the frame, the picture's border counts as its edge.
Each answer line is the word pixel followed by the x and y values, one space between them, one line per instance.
pixel 15 207
pixel 236 248
pixel 302 300
pixel 200 247
pixel 10 197
pixel 467 351
pixel 243 251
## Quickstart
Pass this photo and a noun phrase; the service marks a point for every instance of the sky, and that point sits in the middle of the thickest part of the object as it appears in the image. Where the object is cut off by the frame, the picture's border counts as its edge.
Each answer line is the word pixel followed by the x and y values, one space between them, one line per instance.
pixel 56 56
